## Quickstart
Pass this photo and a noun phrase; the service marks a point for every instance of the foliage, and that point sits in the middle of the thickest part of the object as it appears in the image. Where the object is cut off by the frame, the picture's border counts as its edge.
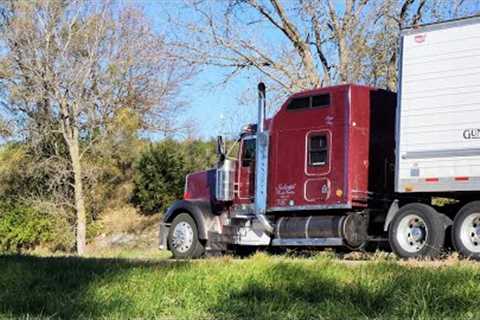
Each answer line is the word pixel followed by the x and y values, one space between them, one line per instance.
pixel 32 171
pixel 69 68
pixel 160 172
pixel 261 287
pixel 199 155
pixel 26 175
pixel 111 165
pixel 26 190
pixel 24 227
pixel 159 177
pixel 12 165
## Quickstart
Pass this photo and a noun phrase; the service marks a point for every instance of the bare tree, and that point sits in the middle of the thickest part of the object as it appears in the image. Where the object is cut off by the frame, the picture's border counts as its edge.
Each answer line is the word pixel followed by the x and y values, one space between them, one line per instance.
pixel 68 68
pixel 302 44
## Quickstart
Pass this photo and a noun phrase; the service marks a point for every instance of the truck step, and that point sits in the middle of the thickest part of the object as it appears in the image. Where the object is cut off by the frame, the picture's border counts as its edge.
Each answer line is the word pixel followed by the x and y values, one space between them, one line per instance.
pixel 245 216
pixel 321 242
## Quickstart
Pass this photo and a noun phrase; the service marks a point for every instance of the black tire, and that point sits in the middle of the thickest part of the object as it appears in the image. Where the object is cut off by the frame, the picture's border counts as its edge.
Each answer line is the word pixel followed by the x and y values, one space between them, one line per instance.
pixel 433 236
pixel 461 243
pixel 196 249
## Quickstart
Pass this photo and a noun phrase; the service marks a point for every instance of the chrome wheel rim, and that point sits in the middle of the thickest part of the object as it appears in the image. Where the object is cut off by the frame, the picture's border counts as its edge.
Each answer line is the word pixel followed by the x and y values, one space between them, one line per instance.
pixel 412 233
pixel 470 232
pixel 182 237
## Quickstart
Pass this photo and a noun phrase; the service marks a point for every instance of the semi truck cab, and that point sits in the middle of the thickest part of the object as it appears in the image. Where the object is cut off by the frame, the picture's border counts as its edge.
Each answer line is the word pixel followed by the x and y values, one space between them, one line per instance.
pixel 313 178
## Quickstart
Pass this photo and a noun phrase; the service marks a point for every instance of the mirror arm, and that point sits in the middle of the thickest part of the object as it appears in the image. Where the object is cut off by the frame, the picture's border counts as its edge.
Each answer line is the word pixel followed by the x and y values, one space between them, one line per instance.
pixel 220 149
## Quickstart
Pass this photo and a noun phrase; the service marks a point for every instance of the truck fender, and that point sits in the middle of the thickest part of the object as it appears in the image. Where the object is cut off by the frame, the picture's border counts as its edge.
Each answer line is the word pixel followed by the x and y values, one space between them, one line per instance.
pixel 199 210
pixel 391 213
pixel 447 222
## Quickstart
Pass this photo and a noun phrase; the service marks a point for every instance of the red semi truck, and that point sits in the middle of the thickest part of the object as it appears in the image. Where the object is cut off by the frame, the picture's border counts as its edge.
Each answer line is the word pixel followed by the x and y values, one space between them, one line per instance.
pixel 347 165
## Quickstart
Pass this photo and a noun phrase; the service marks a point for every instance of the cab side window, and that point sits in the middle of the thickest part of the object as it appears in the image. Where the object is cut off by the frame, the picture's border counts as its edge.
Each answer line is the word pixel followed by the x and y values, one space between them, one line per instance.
pixel 248 152
pixel 318 150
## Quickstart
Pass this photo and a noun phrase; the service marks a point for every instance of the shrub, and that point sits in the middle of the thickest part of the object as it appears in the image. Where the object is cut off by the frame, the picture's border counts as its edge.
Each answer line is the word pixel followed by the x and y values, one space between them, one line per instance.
pixel 201 155
pixel 23 227
pixel 159 177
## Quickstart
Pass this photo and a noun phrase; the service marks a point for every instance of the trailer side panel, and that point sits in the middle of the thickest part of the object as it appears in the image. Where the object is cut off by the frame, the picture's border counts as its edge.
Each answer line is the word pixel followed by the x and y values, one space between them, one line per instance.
pixel 438 132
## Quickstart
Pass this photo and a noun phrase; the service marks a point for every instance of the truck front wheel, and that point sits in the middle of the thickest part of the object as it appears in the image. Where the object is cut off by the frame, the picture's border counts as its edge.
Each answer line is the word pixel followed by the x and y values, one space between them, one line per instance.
pixel 466 231
pixel 416 231
pixel 183 238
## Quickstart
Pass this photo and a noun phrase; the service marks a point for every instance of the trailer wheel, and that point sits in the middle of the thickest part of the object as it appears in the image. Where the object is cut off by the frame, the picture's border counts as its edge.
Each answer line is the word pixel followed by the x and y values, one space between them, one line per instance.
pixel 466 231
pixel 183 238
pixel 417 230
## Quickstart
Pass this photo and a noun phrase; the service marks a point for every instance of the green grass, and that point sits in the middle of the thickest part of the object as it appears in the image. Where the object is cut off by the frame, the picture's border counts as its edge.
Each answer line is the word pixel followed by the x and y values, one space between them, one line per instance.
pixel 261 287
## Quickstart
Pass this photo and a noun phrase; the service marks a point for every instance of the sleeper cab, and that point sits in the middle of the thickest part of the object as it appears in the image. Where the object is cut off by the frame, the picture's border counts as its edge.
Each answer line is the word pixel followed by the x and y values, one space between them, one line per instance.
pixel 331 147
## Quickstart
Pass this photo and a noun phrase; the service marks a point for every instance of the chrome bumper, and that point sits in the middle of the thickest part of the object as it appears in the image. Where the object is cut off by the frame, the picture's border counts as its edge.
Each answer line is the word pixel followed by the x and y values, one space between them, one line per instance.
pixel 164 228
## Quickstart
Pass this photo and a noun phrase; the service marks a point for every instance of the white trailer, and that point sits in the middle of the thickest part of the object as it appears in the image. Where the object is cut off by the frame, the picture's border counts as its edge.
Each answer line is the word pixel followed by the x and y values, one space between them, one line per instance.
pixel 438 137
pixel 438 121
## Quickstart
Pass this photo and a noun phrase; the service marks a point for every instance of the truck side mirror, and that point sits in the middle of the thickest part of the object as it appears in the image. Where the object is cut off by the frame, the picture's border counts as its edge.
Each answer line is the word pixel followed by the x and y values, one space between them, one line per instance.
pixel 220 149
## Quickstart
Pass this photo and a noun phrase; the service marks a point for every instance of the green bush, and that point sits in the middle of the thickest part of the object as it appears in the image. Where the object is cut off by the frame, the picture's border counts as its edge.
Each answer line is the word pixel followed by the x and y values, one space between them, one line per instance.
pixel 36 220
pixel 23 227
pixel 199 155
pixel 159 177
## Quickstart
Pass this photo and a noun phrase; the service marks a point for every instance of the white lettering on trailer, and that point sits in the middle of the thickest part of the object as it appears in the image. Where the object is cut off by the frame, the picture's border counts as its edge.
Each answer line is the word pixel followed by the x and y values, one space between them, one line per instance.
pixel 471 134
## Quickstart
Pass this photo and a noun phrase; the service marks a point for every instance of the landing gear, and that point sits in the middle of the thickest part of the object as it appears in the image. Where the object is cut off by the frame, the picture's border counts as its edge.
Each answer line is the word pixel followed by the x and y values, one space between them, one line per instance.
pixel 417 231
pixel 183 238
pixel 466 231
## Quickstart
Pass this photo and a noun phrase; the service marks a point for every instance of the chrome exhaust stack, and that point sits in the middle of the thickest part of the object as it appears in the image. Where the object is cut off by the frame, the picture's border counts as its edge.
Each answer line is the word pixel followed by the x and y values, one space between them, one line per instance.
pixel 261 162
pixel 262 106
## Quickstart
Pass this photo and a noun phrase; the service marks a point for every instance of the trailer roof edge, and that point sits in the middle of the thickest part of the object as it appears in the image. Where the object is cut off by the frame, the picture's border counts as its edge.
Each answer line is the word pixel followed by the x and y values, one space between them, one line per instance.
pixel 441 25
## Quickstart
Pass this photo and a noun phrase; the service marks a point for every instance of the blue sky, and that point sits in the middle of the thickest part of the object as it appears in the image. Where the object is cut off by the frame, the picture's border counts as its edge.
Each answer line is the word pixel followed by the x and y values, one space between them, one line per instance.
pixel 212 105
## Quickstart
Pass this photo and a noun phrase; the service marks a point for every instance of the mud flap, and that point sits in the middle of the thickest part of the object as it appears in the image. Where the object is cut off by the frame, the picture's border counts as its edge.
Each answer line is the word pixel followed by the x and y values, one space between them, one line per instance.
pixel 164 229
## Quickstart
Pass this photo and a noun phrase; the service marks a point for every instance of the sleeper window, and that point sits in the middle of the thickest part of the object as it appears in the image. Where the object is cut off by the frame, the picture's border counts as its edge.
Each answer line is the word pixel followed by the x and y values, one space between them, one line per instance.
pixel 318 101
pixel 299 103
pixel 317 150
pixel 322 100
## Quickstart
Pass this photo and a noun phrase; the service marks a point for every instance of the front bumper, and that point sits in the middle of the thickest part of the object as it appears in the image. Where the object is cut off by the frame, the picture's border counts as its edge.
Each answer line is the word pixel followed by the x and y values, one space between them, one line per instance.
pixel 164 229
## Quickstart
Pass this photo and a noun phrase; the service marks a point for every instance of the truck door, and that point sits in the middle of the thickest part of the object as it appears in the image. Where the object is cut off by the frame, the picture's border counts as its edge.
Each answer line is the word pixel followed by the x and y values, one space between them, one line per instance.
pixel 246 171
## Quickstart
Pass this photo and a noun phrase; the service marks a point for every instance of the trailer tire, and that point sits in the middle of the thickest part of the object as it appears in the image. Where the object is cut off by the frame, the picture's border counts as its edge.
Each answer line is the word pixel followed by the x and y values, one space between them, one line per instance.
pixel 466 231
pixel 417 230
pixel 183 239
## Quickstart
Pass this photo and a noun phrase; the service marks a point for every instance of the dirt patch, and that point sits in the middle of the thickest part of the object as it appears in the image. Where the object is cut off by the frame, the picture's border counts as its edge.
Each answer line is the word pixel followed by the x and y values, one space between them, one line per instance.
pixel 126 228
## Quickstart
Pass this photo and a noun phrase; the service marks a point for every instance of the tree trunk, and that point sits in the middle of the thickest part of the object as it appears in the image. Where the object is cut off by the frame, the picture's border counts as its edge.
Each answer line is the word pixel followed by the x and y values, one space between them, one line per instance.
pixel 344 61
pixel 79 196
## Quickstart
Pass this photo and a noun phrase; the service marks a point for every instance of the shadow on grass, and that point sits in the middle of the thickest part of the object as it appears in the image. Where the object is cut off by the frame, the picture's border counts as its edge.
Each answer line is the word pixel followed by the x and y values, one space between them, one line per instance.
pixel 291 291
pixel 58 287
pixel 70 287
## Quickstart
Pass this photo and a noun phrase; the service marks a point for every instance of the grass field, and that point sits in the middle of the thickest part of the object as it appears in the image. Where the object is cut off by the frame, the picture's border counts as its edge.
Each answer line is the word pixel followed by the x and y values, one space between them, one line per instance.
pixel 260 287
